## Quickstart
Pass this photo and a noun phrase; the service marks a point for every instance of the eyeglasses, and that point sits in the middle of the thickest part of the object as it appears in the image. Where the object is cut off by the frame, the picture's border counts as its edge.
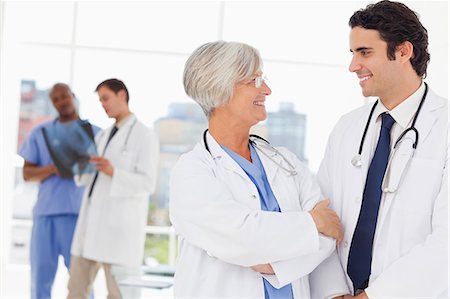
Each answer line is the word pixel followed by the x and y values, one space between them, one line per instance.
pixel 260 80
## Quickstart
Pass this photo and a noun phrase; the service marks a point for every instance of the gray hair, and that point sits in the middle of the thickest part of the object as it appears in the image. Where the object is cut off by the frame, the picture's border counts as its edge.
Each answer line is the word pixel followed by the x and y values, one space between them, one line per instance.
pixel 212 71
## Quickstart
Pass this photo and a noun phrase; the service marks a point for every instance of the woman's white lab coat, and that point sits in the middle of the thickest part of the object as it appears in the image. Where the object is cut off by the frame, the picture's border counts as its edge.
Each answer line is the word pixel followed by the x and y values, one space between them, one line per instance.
pixel 111 223
pixel 410 248
pixel 215 209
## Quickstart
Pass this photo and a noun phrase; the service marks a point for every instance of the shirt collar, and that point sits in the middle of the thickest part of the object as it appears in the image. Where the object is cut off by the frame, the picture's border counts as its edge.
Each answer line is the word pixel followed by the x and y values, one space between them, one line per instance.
pixel 404 112
pixel 123 121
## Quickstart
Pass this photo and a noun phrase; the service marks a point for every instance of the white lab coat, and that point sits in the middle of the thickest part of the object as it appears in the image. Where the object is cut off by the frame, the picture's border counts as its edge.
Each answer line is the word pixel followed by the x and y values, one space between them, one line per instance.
pixel 111 223
pixel 410 246
pixel 215 209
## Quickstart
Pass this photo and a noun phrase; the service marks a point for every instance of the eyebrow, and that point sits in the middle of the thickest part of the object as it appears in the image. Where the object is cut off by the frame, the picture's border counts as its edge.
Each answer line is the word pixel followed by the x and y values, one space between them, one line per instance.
pixel 361 49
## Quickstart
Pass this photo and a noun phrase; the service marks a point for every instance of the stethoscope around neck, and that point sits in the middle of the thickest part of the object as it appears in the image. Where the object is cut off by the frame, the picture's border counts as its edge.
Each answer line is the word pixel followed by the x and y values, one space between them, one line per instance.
pixel 124 147
pixel 291 170
pixel 356 161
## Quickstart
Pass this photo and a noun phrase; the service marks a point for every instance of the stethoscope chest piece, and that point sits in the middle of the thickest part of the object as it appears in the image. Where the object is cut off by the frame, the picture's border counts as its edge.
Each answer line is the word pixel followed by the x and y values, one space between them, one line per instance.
pixel 356 161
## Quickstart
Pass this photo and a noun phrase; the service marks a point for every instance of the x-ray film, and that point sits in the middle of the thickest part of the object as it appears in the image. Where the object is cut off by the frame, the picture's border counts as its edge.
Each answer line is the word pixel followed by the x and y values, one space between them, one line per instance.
pixel 71 145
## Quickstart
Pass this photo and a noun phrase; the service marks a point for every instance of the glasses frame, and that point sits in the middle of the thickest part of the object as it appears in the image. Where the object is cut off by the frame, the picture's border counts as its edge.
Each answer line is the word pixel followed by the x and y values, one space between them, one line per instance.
pixel 259 81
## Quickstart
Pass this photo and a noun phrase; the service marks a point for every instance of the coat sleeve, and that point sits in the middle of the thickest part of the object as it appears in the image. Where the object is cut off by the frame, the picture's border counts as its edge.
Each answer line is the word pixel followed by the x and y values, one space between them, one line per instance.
pixel 204 211
pixel 290 270
pixel 328 279
pixel 427 262
pixel 142 178
pixel 287 271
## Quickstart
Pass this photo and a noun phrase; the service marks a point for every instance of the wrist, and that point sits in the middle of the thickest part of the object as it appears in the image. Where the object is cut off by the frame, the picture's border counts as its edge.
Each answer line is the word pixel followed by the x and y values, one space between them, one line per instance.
pixel 110 171
pixel 51 169
pixel 317 221
pixel 362 295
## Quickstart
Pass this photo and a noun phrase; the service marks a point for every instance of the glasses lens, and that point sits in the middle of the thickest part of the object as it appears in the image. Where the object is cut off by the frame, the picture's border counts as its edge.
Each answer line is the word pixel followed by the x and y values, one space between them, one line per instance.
pixel 260 80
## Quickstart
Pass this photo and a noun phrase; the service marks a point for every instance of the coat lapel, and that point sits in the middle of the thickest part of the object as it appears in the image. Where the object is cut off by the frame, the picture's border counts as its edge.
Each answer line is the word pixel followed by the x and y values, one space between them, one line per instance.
pixel 226 161
pixel 270 159
pixel 425 122
pixel 367 151
pixel 427 116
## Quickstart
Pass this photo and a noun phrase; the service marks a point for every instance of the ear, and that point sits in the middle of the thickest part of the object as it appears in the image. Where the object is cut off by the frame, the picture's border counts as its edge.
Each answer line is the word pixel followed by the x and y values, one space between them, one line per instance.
pixel 122 95
pixel 405 51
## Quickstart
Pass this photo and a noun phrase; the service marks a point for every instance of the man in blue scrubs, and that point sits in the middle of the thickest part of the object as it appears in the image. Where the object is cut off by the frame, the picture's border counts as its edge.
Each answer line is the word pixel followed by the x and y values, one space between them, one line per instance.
pixel 56 210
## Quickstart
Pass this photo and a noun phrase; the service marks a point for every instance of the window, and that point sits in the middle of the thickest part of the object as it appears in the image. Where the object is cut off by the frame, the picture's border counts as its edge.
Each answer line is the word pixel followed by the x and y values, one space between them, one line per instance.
pixel 304 46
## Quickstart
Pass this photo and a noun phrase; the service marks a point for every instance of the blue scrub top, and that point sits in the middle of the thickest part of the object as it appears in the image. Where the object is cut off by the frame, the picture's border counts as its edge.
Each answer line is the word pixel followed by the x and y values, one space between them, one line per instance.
pixel 56 195
pixel 257 174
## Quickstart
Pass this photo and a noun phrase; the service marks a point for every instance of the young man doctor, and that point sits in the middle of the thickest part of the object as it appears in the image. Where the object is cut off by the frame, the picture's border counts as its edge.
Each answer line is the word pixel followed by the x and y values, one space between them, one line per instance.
pixel 393 204
pixel 111 228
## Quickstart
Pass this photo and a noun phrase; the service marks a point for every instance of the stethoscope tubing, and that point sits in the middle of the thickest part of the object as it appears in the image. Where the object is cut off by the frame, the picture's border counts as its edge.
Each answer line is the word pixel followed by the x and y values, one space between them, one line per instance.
pixel 411 128
pixel 123 149
pixel 253 142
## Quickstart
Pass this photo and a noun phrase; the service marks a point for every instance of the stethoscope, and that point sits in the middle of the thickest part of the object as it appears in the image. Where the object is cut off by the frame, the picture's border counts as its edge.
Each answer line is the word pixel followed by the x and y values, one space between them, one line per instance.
pixel 356 161
pixel 124 148
pixel 253 140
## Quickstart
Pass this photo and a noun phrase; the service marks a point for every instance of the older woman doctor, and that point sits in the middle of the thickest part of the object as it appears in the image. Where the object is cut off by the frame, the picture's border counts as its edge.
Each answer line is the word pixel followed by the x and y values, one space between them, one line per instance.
pixel 247 213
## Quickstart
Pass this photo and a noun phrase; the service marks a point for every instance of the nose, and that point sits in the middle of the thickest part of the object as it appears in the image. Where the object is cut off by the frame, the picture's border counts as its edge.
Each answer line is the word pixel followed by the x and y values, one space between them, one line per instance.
pixel 265 89
pixel 354 64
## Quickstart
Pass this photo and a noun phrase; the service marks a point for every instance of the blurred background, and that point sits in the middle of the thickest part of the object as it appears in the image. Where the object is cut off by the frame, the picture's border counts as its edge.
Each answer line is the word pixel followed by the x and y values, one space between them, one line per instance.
pixel 304 45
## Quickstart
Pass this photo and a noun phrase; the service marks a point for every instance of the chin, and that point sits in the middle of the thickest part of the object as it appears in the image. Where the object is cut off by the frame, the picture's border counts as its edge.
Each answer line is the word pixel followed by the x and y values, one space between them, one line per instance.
pixel 366 93
pixel 260 119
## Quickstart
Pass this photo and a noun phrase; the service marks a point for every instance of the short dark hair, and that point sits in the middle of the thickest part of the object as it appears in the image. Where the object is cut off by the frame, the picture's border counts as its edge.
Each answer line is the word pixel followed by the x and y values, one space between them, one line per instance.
pixel 61 85
pixel 396 24
pixel 115 85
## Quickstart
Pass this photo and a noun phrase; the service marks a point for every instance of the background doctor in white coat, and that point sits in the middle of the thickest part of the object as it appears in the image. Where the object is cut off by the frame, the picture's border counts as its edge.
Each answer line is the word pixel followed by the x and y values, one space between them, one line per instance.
pixel 247 214
pixel 409 247
pixel 110 232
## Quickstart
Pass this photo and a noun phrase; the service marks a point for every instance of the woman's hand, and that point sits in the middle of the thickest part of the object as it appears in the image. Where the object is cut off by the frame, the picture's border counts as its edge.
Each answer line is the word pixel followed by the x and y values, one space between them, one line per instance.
pixel 327 221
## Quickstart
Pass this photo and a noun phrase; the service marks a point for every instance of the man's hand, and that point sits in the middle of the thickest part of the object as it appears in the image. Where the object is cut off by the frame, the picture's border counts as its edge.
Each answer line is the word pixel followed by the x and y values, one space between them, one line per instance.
pixel 327 221
pixel 362 295
pixel 263 269
pixel 33 172
pixel 102 165
pixel 359 296
pixel 52 169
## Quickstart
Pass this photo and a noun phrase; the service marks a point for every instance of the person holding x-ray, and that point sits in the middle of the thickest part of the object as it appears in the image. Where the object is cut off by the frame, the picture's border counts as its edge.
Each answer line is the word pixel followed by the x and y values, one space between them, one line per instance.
pixel 110 232
pixel 248 214
pixel 386 167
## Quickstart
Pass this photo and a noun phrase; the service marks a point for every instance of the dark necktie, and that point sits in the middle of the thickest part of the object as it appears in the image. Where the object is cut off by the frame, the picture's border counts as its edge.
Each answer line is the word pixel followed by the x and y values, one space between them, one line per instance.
pixel 111 135
pixel 360 255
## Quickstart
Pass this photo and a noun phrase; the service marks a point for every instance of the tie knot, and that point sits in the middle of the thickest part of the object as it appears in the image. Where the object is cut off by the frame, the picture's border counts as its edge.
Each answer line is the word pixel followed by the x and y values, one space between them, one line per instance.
pixel 387 121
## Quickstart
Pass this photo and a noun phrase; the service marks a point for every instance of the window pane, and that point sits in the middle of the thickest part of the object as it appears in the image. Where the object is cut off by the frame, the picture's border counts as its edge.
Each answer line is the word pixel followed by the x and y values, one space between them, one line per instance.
pixel 321 99
pixel 159 26
pixel 37 21
pixel 300 31
pixel 153 81
pixel 45 65
pixel 156 250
